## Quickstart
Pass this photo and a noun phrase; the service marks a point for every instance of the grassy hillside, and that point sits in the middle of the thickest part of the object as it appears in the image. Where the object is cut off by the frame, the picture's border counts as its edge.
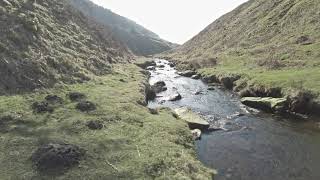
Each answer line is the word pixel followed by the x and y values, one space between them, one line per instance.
pixel 123 141
pixel 269 43
pixel 47 42
pixel 140 40
pixel 72 107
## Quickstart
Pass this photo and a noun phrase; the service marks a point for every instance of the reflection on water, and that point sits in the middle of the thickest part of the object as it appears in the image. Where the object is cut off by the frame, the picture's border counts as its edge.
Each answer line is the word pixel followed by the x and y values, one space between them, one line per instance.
pixel 255 146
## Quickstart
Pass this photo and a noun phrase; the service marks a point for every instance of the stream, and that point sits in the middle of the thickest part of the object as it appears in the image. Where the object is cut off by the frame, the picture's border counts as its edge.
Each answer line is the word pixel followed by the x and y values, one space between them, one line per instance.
pixel 251 145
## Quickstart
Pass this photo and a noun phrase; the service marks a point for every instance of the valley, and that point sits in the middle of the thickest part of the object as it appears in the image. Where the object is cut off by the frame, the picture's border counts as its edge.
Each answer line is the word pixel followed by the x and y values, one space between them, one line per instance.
pixel 86 93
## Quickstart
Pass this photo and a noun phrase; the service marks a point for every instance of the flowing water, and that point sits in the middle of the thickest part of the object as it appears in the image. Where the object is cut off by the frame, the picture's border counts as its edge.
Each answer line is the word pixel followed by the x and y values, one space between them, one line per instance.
pixel 254 146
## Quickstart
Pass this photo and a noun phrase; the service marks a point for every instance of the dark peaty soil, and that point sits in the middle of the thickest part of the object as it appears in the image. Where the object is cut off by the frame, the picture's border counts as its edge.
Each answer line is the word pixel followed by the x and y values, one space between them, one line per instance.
pixel 86 106
pixel 56 157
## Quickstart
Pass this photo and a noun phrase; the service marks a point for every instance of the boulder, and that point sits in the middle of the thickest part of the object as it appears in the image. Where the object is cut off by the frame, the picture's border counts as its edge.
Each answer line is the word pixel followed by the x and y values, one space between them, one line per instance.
pixel 235 115
pixel 188 73
pixel 211 88
pixel 56 157
pixel 153 111
pixel 175 97
pixel 266 103
pixel 159 87
pixel 198 92
pixel 196 76
pixel 171 64
pixel 146 63
pixel 193 119
pixel 151 68
pixel 196 134
pixel 161 66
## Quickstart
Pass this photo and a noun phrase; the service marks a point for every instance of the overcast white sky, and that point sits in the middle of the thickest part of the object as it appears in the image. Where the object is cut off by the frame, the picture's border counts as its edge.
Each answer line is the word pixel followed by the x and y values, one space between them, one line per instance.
pixel 173 20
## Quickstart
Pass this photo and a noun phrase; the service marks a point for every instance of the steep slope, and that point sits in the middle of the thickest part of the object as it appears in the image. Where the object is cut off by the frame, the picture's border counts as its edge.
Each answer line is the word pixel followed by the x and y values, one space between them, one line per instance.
pixel 140 40
pixel 266 30
pixel 268 43
pixel 46 42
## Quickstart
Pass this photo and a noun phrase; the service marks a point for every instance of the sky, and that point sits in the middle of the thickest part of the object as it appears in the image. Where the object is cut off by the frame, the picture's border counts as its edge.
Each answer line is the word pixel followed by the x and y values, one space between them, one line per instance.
pixel 173 20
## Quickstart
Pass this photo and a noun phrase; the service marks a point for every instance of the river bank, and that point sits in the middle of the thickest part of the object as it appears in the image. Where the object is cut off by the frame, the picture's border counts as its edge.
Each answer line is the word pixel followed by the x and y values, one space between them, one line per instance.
pixel 302 95
pixel 102 128
pixel 242 143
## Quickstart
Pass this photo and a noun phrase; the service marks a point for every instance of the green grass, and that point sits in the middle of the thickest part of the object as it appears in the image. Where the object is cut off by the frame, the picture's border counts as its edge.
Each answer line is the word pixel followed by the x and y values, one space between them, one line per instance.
pixel 140 145
pixel 289 79
pixel 47 42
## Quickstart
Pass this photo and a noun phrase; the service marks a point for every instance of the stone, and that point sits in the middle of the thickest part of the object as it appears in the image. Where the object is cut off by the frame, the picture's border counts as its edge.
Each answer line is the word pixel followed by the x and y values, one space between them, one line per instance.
pixel 76 96
pixel 198 92
pixel 196 134
pixel 235 115
pixel 196 76
pixel 146 63
pixel 153 111
pixel 151 68
pixel 56 157
pixel 211 88
pixel 175 97
pixel 161 66
pixel 194 120
pixel 171 64
pixel 188 73
pixel 265 103
pixel 159 87
pixel 86 106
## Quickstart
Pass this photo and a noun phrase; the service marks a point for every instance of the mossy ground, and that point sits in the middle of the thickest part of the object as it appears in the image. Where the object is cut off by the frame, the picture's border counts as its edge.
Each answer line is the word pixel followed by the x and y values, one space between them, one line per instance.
pixel 134 144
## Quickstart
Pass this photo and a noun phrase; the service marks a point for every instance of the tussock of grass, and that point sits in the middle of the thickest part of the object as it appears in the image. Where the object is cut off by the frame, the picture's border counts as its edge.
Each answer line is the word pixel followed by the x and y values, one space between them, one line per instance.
pixel 133 144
